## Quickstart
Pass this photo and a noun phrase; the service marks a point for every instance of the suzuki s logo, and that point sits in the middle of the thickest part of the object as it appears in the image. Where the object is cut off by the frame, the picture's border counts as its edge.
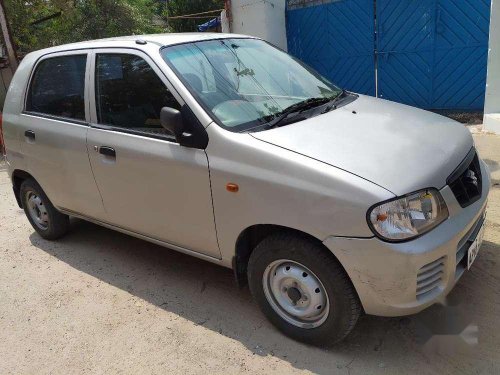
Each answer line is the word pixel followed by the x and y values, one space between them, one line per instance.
pixel 471 178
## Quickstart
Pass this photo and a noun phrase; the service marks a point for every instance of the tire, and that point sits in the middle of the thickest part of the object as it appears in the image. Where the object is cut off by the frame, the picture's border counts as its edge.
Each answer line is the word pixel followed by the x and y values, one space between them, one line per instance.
pixel 42 215
pixel 337 304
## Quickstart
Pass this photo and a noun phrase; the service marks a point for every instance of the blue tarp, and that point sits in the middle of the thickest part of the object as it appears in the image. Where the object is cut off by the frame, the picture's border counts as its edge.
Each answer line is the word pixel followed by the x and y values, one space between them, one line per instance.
pixel 209 25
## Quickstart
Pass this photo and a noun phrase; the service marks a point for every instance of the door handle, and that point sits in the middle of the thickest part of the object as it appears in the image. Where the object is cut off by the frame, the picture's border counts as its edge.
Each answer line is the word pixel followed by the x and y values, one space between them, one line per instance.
pixel 30 134
pixel 108 151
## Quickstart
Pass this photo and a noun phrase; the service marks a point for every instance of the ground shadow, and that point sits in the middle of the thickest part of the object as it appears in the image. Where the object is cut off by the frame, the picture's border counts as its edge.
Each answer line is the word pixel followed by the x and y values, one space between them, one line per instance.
pixel 207 295
pixel 493 165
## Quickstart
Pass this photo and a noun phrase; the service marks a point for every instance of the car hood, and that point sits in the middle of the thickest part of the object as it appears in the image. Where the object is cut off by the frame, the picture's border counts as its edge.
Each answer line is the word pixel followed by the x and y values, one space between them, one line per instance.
pixel 395 146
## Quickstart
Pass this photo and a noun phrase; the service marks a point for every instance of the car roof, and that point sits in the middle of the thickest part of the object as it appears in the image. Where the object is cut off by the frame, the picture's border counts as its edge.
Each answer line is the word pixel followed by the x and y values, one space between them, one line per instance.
pixel 131 40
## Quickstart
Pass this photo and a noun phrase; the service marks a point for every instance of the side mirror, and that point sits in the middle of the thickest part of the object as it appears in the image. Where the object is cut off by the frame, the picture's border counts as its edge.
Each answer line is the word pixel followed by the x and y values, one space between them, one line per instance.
pixel 184 125
pixel 171 119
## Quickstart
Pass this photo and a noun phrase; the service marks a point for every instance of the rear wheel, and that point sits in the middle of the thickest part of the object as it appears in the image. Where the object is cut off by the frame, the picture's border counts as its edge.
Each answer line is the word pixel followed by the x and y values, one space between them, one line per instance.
pixel 42 215
pixel 302 289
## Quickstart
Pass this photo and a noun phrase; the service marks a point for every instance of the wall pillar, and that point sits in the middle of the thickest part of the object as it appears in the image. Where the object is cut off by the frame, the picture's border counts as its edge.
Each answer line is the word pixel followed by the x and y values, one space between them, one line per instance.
pixel 261 18
pixel 492 102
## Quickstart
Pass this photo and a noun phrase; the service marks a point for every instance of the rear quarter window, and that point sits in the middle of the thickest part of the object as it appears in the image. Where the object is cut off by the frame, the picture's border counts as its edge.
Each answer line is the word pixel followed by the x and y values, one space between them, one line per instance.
pixel 57 87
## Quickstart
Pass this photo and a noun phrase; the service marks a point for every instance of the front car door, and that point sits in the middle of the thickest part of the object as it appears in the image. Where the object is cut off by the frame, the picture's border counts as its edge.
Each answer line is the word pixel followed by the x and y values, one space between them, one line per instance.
pixel 150 184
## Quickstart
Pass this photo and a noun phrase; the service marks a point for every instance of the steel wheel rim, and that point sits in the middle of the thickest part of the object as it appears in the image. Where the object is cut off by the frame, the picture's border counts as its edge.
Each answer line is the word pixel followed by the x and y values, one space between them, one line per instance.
pixel 37 210
pixel 296 294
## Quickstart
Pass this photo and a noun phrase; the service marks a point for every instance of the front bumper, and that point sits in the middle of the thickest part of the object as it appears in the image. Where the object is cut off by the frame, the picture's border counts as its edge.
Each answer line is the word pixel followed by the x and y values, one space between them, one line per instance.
pixel 388 277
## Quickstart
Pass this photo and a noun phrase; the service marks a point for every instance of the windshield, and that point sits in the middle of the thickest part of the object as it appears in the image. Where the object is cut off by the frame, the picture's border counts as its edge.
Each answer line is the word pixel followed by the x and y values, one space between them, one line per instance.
pixel 244 83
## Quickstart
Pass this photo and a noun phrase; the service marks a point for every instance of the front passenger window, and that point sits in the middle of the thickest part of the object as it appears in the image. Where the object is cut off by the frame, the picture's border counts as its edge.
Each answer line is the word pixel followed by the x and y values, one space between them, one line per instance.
pixel 129 94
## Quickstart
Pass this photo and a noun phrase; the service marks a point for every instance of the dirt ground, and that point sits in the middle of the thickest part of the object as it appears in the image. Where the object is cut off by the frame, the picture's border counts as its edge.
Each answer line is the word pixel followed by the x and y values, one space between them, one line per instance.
pixel 102 302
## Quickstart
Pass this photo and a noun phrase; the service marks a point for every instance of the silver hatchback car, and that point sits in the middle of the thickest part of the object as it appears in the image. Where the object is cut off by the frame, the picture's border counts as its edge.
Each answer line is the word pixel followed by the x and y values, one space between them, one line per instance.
pixel 328 203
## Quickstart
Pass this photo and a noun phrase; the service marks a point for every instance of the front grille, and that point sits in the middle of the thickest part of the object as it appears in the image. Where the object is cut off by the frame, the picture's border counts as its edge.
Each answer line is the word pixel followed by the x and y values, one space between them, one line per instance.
pixel 466 181
pixel 429 278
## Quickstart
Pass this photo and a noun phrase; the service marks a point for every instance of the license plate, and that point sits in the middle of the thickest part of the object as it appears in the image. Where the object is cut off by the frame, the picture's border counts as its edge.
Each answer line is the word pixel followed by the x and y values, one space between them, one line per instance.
pixel 474 248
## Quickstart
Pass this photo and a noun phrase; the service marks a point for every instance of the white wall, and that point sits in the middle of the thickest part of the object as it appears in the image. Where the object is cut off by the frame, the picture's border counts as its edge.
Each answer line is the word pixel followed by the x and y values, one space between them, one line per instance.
pixel 261 18
pixel 492 103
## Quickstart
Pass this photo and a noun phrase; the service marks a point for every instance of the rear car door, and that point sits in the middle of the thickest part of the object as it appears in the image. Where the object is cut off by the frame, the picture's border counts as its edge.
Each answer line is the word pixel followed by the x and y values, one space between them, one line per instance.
pixel 149 183
pixel 54 123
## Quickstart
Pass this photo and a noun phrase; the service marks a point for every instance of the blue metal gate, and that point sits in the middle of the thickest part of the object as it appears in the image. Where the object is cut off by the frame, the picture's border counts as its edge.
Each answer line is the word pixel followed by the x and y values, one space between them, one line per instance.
pixel 426 53
pixel 336 39
pixel 433 53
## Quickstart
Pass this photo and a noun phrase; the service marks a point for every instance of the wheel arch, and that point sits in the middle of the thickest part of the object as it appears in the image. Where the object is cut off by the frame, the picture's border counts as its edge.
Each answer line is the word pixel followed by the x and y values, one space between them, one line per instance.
pixel 251 236
pixel 18 176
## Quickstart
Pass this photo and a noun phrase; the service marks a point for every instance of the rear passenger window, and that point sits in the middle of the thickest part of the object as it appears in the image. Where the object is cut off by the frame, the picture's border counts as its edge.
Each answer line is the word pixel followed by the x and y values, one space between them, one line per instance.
pixel 129 94
pixel 57 87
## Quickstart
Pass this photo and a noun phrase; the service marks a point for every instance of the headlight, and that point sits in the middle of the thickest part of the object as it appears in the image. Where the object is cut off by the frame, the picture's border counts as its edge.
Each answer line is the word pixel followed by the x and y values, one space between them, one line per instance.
pixel 409 216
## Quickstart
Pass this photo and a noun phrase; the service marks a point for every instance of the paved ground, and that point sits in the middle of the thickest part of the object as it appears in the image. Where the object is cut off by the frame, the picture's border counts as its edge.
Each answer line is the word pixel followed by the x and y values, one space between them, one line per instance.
pixel 102 302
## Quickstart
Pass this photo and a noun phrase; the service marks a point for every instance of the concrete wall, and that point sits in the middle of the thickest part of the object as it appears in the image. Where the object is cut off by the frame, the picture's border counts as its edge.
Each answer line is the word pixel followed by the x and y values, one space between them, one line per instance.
pixel 492 103
pixel 261 18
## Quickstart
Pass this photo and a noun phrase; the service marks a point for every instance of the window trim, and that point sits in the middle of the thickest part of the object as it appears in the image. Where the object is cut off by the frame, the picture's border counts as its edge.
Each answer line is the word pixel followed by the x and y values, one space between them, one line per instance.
pixel 55 118
pixel 78 52
pixel 91 91
pixel 163 137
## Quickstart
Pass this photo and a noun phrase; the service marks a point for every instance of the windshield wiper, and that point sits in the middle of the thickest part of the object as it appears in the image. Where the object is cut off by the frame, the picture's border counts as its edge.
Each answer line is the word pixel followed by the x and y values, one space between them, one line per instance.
pixel 333 101
pixel 297 107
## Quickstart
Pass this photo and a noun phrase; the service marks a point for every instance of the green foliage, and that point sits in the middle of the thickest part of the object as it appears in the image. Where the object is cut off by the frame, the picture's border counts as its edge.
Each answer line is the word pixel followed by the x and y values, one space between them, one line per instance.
pixel 80 20
pixel 105 18
pixel 94 19
pixel 183 7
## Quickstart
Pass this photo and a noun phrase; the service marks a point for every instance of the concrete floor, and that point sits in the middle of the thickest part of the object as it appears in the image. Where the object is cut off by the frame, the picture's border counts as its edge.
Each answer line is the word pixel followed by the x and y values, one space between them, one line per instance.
pixel 101 302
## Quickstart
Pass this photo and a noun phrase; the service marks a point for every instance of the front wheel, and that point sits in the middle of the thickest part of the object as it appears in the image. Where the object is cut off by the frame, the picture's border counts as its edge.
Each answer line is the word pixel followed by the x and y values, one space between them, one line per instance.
pixel 302 289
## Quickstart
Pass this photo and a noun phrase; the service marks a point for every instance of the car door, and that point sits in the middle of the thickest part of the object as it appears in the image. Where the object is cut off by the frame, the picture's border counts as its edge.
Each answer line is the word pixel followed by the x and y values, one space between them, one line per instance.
pixel 54 123
pixel 149 183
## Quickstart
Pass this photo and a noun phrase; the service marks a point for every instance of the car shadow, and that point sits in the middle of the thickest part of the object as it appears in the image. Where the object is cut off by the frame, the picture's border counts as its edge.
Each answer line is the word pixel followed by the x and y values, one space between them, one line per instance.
pixel 493 166
pixel 207 295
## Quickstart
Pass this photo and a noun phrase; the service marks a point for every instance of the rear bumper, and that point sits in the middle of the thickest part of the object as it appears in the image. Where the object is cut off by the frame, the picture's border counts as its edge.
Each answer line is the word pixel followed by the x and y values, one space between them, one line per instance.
pixel 395 279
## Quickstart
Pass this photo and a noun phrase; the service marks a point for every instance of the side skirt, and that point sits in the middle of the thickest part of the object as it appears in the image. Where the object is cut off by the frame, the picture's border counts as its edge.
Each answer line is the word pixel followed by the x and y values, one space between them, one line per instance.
pixel 146 238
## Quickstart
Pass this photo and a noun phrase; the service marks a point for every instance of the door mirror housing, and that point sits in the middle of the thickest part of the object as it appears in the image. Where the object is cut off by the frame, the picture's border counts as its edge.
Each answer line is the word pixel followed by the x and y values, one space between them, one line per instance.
pixel 184 125
pixel 171 119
